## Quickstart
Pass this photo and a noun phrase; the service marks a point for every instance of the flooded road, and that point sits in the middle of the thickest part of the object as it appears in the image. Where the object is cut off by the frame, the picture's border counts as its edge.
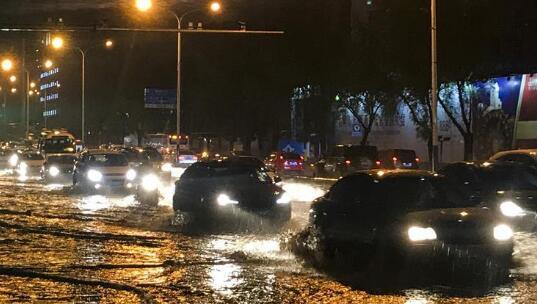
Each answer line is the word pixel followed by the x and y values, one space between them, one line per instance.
pixel 59 247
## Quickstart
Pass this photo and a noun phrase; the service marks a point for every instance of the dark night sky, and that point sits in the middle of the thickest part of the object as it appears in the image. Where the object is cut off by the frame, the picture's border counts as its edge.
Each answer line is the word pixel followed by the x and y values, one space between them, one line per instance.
pixel 240 85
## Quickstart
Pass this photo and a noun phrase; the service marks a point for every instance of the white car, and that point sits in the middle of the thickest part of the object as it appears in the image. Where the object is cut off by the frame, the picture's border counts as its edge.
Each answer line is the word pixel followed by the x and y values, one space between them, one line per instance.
pixel 97 170
pixel 30 164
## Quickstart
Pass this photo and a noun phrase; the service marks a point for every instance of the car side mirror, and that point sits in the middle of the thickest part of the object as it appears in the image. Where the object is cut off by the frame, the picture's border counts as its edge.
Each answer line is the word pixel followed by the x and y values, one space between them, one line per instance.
pixel 277 179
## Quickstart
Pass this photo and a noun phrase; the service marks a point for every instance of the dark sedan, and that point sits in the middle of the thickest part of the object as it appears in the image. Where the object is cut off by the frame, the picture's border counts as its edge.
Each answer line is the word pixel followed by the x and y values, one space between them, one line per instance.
pixel 509 187
pixel 229 189
pixel 413 213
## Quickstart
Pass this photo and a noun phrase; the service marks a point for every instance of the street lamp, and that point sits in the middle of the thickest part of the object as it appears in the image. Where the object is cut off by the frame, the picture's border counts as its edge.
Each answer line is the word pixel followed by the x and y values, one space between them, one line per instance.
pixel 144 6
pixel 57 42
pixel 7 65
pixel 32 84
pixel 108 44
pixel 12 78
pixel 13 90
pixel 48 64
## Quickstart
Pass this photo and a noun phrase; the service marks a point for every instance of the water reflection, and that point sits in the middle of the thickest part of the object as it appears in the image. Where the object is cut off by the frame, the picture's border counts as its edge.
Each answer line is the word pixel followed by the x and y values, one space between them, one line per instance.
pixel 95 203
pixel 223 278
pixel 302 192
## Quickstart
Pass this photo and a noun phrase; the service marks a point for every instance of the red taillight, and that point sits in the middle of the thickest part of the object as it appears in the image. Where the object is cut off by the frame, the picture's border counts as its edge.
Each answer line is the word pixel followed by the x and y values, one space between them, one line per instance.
pixel 394 159
pixel 417 159
pixel 348 162
pixel 378 162
pixel 301 157
pixel 281 157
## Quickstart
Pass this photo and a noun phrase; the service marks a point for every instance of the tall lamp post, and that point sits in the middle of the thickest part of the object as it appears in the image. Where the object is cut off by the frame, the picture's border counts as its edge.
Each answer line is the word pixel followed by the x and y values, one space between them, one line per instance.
pixel 144 6
pixel 57 43
pixel 434 88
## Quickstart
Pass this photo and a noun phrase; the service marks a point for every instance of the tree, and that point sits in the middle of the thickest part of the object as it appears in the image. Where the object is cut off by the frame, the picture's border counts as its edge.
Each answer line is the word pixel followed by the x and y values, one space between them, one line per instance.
pixel 367 106
pixel 420 109
pixel 459 101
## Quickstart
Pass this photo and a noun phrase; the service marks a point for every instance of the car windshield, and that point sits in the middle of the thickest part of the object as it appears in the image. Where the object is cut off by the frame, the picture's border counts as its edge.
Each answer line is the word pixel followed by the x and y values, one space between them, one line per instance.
pixel 405 155
pixel 107 160
pixel 224 170
pixel 420 193
pixel 64 159
pixel 505 178
pixel 290 155
pixel 32 156
pixel 151 155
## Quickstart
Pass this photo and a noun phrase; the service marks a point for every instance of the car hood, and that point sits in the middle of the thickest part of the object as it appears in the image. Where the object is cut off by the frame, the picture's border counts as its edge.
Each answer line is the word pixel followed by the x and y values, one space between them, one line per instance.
pixel 111 170
pixel 431 217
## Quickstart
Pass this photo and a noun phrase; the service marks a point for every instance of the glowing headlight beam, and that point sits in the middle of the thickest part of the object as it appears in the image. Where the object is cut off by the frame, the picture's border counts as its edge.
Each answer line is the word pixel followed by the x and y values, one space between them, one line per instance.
pixel 224 200
pixel 95 176
pixel 511 209
pixel 13 160
pixel 53 171
pixel 503 232
pixel 131 174
pixel 166 167
pixel 417 234
pixel 150 182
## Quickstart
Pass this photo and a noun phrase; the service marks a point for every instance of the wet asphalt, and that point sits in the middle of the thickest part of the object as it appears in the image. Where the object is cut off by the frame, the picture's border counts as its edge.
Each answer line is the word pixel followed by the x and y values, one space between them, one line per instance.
pixel 57 246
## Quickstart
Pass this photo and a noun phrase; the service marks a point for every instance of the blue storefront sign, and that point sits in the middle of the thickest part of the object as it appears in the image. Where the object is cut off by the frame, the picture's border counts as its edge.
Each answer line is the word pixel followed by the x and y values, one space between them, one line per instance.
pixel 160 99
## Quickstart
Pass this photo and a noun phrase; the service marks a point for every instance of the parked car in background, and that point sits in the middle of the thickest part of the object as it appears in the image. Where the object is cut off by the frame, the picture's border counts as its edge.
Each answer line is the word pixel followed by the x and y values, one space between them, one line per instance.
pixel 398 159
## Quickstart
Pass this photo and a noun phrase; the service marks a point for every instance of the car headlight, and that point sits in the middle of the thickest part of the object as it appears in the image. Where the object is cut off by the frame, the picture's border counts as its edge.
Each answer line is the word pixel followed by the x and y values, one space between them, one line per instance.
pixel 166 167
pixel 503 232
pixel 23 168
pixel 13 160
pixel 53 171
pixel 511 209
pixel 284 199
pixel 416 234
pixel 131 174
pixel 150 182
pixel 224 200
pixel 95 176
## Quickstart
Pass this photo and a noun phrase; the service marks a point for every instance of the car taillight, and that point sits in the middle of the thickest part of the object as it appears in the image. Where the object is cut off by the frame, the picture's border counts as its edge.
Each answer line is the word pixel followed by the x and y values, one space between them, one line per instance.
pixel 348 162
pixel 378 162
pixel 417 159
pixel 394 159
pixel 281 157
pixel 195 157
pixel 286 163
pixel 301 157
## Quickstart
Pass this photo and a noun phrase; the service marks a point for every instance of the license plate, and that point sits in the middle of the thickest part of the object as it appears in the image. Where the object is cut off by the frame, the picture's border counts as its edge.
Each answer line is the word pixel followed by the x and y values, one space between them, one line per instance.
pixel 292 163
pixel 407 164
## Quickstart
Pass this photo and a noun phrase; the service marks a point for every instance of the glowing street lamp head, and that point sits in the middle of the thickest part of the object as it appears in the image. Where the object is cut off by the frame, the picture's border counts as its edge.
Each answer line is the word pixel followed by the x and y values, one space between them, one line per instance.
pixel 32 84
pixel 31 93
pixel 7 65
pixel 48 64
pixel 143 5
pixel 215 7
pixel 12 78
pixel 109 43
pixel 57 42
pixel 13 90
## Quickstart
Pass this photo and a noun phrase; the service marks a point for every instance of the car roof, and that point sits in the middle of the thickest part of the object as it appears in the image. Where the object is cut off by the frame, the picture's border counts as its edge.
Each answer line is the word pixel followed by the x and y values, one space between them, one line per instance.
pixel 97 151
pixel 61 154
pixel 382 174
pixel 532 152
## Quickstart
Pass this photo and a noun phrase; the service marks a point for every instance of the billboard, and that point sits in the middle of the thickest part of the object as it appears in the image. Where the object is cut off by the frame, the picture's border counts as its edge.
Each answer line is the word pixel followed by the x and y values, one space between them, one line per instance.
pixel 526 116
pixel 160 99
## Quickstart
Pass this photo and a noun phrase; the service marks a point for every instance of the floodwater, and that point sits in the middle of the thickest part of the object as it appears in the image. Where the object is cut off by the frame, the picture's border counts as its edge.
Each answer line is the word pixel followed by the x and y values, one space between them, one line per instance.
pixel 59 247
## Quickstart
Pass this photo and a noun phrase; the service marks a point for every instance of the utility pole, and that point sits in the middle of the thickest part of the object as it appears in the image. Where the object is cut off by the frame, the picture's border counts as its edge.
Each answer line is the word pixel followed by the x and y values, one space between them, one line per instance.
pixel 434 88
